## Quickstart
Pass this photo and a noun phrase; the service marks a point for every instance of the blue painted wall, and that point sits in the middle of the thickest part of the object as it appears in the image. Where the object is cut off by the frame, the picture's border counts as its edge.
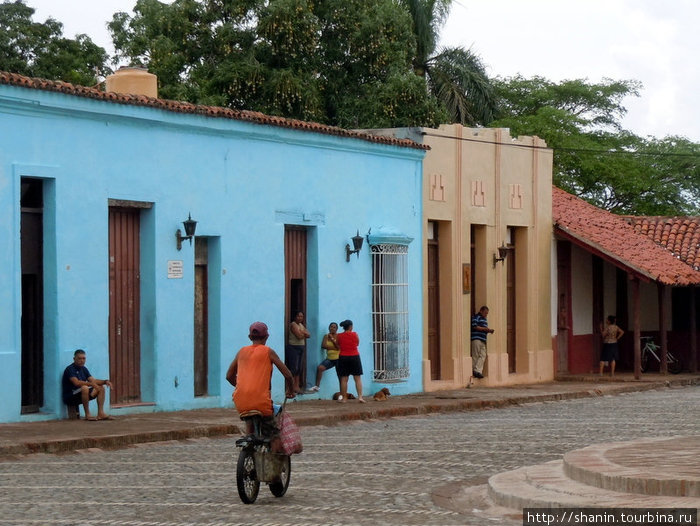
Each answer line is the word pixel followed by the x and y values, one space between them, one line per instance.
pixel 242 182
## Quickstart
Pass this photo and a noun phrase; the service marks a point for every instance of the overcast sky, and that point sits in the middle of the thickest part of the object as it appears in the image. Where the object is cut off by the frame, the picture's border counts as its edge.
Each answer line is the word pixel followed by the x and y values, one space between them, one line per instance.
pixel 651 41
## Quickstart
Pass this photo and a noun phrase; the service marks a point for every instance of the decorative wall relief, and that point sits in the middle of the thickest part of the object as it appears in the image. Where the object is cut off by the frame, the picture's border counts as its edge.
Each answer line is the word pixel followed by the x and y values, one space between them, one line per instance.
pixel 478 194
pixel 437 187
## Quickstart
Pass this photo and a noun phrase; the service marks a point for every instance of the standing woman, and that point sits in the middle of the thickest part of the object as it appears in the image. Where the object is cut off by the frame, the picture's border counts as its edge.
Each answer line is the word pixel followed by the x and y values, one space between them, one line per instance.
pixel 349 362
pixel 611 333
pixel 330 345
pixel 294 353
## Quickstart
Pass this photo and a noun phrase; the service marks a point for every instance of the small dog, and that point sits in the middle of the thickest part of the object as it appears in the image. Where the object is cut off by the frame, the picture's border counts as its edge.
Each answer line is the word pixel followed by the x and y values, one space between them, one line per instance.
pixel 336 396
pixel 382 394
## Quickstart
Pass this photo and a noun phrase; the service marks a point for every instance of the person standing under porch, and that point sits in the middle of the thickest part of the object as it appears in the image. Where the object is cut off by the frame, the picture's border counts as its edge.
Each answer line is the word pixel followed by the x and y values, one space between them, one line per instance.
pixel 480 328
pixel 611 334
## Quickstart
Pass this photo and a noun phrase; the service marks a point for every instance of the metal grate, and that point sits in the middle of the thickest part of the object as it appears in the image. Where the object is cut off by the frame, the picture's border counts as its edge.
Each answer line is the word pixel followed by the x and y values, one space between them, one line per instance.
pixel 390 311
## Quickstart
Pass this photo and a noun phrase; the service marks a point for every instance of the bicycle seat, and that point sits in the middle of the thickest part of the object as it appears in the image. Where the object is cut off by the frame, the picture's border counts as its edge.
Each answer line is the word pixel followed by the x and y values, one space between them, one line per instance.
pixel 250 414
pixel 646 338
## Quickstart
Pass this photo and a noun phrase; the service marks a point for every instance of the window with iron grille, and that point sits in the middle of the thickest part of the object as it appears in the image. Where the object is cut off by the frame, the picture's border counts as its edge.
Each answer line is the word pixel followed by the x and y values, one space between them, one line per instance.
pixel 390 311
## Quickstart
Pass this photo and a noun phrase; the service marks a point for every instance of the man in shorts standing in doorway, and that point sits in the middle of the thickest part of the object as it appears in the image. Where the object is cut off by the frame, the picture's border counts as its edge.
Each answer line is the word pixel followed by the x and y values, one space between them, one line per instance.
pixel 480 328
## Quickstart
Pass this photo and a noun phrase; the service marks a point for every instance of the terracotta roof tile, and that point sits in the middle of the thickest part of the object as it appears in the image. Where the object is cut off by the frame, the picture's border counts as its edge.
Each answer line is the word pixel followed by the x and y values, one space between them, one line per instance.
pixel 14 79
pixel 614 238
pixel 679 235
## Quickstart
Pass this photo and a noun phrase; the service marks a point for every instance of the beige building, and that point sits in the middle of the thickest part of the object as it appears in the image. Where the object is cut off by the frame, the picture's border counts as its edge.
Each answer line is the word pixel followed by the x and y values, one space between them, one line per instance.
pixel 487 230
pixel 487 211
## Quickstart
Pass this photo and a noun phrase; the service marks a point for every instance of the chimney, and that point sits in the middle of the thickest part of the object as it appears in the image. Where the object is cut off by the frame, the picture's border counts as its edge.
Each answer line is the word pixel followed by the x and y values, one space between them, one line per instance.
pixel 134 81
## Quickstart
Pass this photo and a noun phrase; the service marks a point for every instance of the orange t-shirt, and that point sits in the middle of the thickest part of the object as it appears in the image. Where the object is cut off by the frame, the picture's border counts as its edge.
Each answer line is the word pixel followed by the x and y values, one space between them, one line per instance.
pixel 253 380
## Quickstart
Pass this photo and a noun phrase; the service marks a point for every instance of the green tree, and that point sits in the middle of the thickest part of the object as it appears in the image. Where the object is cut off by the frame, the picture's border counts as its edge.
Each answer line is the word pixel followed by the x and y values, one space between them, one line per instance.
pixel 40 49
pixel 594 157
pixel 456 76
pixel 341 62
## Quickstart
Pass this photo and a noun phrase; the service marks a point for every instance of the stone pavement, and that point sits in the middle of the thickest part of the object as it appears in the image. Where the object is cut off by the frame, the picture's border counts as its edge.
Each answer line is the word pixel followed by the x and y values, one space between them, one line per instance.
pixel 69 435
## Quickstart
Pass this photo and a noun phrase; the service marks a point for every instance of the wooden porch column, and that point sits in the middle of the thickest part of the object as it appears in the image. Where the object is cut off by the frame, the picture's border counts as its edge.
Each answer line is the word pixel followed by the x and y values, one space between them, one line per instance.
pixel 663 338
pixel 635 322
pixel 693 366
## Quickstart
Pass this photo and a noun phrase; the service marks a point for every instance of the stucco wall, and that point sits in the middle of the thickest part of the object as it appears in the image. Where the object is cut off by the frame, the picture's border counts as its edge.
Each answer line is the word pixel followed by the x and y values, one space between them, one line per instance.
pixel 514 177
pixel 242 182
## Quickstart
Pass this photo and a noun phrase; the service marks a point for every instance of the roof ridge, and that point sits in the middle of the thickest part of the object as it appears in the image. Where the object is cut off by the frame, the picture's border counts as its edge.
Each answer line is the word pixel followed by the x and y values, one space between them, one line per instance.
pixel 619 239
pixel 15 79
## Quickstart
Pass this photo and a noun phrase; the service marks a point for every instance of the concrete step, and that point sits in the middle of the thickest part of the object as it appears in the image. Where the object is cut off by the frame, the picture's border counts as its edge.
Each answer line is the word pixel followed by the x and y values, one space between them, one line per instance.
pixel 547 486
pixel 655 466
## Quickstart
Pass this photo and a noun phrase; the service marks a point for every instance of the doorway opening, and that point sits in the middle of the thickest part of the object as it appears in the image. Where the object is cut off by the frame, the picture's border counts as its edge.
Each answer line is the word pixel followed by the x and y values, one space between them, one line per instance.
pixel 32 263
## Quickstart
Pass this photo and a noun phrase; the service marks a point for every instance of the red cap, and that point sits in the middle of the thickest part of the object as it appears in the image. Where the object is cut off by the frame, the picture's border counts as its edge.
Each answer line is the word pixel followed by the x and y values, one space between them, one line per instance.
pixel 258 330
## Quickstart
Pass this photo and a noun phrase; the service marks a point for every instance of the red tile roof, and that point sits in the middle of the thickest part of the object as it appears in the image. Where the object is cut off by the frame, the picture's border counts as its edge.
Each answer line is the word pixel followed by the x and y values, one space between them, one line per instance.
pixel 14 79
pixel 680 235
pixel 613 238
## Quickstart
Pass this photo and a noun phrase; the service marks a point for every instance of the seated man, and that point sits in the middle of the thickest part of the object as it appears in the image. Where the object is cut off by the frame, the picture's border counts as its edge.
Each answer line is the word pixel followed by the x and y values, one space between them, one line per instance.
pixel 79 387
pixel 250 373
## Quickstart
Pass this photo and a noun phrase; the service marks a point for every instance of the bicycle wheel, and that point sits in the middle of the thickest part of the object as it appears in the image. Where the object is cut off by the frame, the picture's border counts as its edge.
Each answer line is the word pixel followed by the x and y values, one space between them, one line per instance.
pixel 644 362
pixel 674 365
pixel 246 477
pixel 279 487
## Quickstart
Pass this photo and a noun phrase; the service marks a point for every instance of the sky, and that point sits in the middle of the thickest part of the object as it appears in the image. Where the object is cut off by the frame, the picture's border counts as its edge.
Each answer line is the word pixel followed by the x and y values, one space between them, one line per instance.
pixel 656 43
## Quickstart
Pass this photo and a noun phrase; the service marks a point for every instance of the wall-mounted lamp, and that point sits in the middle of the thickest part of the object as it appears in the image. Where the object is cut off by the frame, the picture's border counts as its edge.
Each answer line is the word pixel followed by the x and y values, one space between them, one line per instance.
pixel 190 226
pixel 356 243
pixel 502 253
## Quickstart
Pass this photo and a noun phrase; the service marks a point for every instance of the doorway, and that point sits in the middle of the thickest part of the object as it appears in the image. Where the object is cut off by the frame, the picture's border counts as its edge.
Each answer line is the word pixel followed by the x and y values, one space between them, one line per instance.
pixel 124 305
pixel 31 241
pixel 201 316
pixel 511 336
pixel 295 264
pixel 433 300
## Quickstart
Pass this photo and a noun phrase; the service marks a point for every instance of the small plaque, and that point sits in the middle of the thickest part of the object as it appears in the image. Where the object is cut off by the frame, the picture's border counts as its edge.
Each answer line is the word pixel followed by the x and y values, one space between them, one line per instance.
pixel 466 278
pixel 175 269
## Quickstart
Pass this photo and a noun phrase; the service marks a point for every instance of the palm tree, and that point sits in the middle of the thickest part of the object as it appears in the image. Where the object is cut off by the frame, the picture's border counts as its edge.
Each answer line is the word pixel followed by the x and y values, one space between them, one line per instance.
pixel 456 76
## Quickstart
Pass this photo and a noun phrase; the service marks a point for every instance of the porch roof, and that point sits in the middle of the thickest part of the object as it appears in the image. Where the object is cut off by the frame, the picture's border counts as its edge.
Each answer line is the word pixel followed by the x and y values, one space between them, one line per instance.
pixel 680 235
pixel 255 117
pixel 616 240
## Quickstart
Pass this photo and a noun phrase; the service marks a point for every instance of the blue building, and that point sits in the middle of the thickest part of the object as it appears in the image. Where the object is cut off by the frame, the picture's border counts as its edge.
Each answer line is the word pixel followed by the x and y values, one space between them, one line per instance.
pixel 94 188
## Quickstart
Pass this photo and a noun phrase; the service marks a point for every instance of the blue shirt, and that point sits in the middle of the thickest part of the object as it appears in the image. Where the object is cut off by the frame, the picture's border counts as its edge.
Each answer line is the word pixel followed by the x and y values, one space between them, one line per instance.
pixel 73 371
pixel 479 321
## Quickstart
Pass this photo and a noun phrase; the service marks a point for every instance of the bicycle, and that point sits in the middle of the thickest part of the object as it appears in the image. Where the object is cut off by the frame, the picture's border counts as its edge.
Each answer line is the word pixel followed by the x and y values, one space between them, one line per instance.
pixel 650 349
pixel 257 463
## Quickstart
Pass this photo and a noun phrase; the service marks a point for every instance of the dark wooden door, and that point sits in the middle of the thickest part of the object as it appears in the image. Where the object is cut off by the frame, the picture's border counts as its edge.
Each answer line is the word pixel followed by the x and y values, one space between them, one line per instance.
pixel 201 302
pixel 31 241
pixel 434 307
pixel 124 305
pixel 510 309
pixel 295 281
pixel 564 316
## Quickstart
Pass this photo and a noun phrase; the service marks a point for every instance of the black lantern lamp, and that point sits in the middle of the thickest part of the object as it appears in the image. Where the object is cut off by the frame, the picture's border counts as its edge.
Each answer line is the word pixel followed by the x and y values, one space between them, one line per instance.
pixel 190 226
pixel 357 244
pixel 502 253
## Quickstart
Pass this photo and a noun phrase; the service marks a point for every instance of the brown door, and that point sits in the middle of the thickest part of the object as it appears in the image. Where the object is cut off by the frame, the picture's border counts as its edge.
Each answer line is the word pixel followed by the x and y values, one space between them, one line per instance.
pixel 31 240
pixel 295 280
pixel 201 302
pixel 434 305
pixel 564 315
pixel 510 308
pixel 124 305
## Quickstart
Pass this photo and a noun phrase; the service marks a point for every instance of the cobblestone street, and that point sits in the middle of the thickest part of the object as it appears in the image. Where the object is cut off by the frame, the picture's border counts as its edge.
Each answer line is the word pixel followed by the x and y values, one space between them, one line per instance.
pixel 380 472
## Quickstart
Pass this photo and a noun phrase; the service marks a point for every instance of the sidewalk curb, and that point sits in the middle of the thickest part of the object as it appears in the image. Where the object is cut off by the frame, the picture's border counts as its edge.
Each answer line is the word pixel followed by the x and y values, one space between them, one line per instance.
pixel 409 408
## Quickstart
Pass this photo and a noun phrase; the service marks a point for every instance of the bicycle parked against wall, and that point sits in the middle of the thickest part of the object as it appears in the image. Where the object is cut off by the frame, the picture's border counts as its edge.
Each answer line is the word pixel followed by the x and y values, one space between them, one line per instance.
pixel 651 352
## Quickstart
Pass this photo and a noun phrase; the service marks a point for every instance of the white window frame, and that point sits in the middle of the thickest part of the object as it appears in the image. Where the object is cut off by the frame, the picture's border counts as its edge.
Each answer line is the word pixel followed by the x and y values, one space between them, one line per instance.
pixel 390 341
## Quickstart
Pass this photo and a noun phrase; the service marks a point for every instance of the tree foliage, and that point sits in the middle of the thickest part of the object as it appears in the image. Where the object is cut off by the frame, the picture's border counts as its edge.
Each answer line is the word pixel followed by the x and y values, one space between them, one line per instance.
pixel 594 157
pixel 40 50
pixel 342 62
pixel 456 76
